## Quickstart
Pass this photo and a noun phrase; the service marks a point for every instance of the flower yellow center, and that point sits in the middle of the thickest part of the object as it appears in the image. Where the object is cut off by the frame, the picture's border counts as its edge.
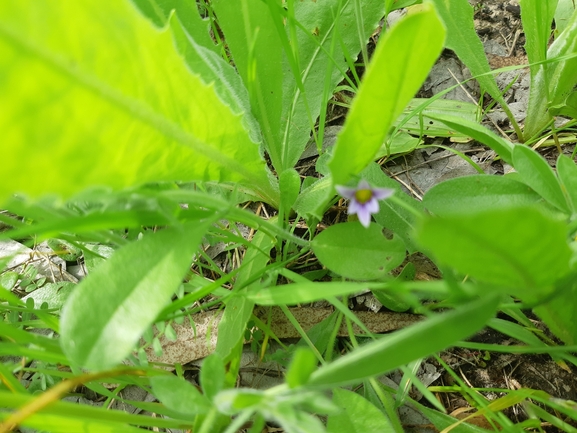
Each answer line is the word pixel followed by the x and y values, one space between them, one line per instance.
pixel 363 195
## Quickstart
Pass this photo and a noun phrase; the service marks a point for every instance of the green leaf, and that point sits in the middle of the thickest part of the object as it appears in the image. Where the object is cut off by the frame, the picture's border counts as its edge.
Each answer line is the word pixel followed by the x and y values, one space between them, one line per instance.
pixel 179 395
pixel 54 294
pixel 519 249
pixel 563 13
pixel 560 313
pixel 408 344
pixel 567 172
pixel 312 201
pixel 109 310
pixel 356 252
pixel 62 416
pixel 257 51
pixel 421 124
pixel 553 81
pixel 399 66
pixel 503 147
pixel 536 172
pixel 537 16
pixel 357 415
pixel 477 193
pixel 290 186
pixel 303 364
pixel 291 60
pixel 212 375
pixel 84 116
pixel 293 294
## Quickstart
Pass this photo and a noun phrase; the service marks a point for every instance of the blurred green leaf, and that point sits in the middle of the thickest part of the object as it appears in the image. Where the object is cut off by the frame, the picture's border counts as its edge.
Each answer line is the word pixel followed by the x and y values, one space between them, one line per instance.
pixel 538 174
pixel 560 313
pixel 290 186
pixel 519 249
pixel 80 116
pixel 65 417
pixel 304 362
pixel 567 172
pixel 212 375
pixel 357 415
pixel 416 341
pixel 563 13
pixel 179 395
pixel 54 294
pixel 356 252
pixel 478 192
pixel 293 294
pixel 399 66
pixel 109 310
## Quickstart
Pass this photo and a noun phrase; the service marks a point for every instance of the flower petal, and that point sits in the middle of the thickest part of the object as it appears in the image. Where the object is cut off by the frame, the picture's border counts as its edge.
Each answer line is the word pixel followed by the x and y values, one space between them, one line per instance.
pixel 382 193
pixel 372 206
pixel 364 216
pixel 346 192
pixel 354 207
pixel 363 184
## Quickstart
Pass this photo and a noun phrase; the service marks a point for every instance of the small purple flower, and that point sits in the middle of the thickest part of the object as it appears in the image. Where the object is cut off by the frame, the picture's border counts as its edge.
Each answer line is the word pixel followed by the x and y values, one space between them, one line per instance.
pixel 364 200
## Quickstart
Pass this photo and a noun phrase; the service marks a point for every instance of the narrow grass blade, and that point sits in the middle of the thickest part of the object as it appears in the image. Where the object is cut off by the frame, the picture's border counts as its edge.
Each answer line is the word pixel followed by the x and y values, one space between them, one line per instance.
pixel 401 347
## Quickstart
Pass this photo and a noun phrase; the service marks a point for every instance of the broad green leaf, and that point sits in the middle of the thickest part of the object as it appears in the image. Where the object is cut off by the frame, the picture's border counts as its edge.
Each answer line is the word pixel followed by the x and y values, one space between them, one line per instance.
pixel 562 77
pixel 519 249
pixel 109 310
pixel 312 201
pixel 357 415
pixel 504 148
pixel 239 307
pixel 478 192
pixel 563 13
pixel 536 172
pixel 78 115
pixel 179 395
pixel 560 313
pixel 257 52
pixel 403 346
pixel 215 71
pixel 290 186
pixel 554 81
pixel 356 252
pixel 54 294
pixel 291 60
pixel 399 66
pixel 324 35
pixel 158 11
pixel 567 172
pixel 418 122
pixel 537 16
